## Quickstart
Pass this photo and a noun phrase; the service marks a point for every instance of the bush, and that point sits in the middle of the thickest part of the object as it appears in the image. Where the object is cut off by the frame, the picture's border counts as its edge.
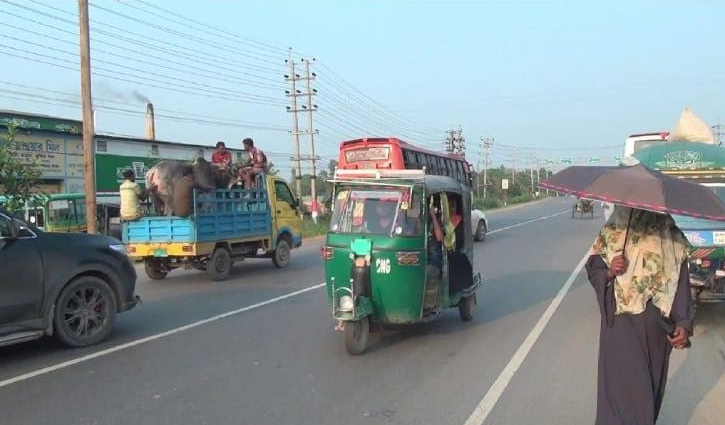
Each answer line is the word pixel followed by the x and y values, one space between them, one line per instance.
pixel 310 228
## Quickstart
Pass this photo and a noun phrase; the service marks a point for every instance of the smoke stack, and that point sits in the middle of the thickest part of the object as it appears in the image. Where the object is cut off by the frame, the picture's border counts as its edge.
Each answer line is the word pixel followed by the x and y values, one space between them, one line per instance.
pixel 150 130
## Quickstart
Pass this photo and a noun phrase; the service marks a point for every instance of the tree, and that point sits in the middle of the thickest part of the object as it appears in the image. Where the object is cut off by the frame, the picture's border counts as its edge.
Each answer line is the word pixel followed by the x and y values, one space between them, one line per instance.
pixel 331 166
pixel 18 180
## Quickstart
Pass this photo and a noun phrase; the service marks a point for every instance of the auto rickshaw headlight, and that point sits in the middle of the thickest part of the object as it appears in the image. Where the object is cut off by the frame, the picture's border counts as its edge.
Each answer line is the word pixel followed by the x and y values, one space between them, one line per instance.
pixel 698 261
pixel 346 303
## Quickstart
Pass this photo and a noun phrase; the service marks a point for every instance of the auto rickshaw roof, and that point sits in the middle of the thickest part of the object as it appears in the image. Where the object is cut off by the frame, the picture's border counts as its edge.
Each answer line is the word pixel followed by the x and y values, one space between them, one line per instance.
pixel 432 183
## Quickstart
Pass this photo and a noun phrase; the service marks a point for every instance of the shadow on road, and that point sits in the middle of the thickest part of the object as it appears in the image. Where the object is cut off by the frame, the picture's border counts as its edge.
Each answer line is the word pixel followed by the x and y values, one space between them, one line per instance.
pixel 695 379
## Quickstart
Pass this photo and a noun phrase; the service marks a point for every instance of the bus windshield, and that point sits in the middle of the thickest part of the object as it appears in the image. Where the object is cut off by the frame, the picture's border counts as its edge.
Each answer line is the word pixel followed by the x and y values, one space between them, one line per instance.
pixel 62 212
pixel 375 211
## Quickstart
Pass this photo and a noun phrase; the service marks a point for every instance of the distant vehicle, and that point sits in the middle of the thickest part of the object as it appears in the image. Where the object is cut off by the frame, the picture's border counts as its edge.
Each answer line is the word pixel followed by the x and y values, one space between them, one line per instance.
pixel 704 164
pixel 479 225
pixel 70 286
pixel 66 212
pixel 395 154
pixel 637 142
pixel 226 225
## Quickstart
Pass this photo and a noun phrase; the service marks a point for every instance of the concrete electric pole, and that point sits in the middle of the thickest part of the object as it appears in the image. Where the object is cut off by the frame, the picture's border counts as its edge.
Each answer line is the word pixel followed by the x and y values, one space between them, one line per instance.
pixel 292 78
pixel 311 132
pixel 88 128
pixel 487 144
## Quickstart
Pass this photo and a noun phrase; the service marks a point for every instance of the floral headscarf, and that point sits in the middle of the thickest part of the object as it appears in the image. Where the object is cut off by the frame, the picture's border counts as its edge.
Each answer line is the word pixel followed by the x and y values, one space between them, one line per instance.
pixel 655 249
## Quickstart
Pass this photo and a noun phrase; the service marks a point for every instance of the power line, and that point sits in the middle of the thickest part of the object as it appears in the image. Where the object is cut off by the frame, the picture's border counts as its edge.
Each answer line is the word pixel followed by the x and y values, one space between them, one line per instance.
pixel 215 95
pixel 188 36
pixel 123 31
pixel 173 53
pixel 221 90
pixel 206 26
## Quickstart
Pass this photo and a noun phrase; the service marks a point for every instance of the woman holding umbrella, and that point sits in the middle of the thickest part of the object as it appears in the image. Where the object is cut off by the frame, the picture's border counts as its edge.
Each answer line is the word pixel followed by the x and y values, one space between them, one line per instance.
pixel 638 268
pixel 643 290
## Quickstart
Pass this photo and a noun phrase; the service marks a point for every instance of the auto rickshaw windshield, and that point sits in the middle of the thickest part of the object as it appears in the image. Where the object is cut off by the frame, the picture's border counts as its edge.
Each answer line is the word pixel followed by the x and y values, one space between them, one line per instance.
pixel 373 211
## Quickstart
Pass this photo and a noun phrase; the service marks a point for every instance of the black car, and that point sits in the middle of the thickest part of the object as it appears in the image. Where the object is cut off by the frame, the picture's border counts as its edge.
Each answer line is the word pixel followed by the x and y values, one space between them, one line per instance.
pixel 70 285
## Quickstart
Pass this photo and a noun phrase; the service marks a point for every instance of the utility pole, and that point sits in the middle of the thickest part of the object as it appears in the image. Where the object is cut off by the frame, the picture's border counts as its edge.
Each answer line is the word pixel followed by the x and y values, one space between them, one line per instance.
pixel 311 132
pixel 88 129
pixel 513 166
pixel 450 137
pixel 531 170
pixel 487 144
pixel 292 78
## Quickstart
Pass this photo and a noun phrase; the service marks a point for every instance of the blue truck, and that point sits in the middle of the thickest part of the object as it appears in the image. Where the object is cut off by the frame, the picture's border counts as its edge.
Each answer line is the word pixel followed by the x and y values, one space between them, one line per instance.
pixel 226 225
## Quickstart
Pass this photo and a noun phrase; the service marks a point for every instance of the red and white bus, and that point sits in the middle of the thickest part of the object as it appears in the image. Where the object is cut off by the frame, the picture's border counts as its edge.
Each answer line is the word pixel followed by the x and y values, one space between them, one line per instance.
pixel 395 154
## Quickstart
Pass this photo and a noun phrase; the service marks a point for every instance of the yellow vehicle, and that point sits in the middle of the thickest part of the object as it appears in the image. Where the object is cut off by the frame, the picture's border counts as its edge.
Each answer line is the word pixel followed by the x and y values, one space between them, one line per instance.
pixel 226 225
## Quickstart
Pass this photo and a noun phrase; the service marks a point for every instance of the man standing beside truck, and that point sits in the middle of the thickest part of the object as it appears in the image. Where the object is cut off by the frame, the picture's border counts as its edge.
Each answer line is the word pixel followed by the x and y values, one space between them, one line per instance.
pixel 131 193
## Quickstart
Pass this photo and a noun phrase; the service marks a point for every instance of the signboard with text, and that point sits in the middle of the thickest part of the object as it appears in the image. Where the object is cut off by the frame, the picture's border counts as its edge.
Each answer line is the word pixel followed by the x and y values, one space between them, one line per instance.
pixel 55 156
pixel 110 168
pixel 504 184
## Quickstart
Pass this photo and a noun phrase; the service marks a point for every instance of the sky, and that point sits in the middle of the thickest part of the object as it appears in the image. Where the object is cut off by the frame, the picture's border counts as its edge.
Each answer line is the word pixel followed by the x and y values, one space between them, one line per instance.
pixel 545 80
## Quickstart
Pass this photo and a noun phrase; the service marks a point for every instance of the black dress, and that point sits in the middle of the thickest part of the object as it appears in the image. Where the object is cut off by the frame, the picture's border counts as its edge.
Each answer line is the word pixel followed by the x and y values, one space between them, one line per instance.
pixel 459 267
pixel 634 353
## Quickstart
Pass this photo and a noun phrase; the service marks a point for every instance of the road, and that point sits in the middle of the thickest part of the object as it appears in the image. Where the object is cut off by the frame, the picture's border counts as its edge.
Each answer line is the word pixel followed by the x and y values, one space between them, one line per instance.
pixel 528 357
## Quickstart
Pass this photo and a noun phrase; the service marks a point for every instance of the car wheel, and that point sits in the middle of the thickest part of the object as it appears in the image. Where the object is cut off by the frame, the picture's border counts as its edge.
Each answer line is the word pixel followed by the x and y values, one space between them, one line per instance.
pixel 153 271
pixel 480 231
pixel 281 255
pixel 219 265
pixel 85 312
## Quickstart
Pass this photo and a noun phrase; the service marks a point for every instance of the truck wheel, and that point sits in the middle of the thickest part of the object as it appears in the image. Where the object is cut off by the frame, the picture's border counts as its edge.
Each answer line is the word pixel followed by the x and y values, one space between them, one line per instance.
pixel 465 308
pixel 281 255
pixel 84 312
pixel 153 271
pixel 356 335
pixel 219 265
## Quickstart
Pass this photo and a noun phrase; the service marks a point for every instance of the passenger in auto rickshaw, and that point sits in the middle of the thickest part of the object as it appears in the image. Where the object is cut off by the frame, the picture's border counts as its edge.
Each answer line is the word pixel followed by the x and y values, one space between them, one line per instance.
pixel 450 235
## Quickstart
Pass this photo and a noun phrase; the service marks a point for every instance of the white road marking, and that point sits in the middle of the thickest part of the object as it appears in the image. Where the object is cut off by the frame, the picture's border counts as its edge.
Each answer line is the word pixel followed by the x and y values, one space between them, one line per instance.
pixel 489 400
pixel 150 338
pixel 546 217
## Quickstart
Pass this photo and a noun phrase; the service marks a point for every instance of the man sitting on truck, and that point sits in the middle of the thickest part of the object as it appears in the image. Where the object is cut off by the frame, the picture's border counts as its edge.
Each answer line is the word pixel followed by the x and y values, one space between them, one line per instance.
pixel 257 164
pixel 221 157
pixel 131 193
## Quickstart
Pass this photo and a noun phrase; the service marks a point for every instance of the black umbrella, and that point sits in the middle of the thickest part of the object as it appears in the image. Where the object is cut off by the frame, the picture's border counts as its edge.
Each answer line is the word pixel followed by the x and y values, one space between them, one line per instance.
pixel 638 187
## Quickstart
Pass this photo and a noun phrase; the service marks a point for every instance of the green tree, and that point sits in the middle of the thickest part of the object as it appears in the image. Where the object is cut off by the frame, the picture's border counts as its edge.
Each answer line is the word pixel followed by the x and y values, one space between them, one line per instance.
pixel 18 180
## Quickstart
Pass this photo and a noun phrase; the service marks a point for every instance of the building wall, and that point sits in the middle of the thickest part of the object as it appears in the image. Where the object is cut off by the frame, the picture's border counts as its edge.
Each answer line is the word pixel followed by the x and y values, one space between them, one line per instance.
pixel 56 145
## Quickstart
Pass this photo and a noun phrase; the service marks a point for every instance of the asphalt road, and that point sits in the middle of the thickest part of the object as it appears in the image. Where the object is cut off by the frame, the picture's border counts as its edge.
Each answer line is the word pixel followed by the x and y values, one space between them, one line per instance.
pixel 260 349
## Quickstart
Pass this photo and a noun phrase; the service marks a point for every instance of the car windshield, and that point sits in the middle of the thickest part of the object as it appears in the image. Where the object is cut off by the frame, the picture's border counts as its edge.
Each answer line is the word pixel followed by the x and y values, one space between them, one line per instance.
pixel 375 211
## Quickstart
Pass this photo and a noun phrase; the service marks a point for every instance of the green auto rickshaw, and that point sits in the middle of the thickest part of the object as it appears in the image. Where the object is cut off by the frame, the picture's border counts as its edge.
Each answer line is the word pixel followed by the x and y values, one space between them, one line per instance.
pixel 384 262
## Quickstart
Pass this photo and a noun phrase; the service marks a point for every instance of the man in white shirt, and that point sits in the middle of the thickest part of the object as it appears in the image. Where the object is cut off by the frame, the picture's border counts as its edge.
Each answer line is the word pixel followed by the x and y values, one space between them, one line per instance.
pixel 131 193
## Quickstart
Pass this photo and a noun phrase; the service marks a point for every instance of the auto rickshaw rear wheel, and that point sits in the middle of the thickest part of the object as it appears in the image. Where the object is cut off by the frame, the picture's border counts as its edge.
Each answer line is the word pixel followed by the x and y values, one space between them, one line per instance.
pixel 465 307
pixel 356 336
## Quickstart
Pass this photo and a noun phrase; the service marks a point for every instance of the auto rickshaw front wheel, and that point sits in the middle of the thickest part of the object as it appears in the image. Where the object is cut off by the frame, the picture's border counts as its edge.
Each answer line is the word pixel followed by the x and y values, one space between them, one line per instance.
pixel 356 335
pixel 465 307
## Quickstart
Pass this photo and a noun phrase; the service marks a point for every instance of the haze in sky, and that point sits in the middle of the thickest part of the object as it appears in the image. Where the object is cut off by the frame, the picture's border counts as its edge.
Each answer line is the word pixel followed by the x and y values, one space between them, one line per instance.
pixel 554 79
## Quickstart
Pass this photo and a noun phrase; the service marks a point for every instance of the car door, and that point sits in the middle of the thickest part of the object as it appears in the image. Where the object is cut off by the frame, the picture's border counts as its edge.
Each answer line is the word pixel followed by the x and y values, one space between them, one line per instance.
pixel 284 209
pixel 21 275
